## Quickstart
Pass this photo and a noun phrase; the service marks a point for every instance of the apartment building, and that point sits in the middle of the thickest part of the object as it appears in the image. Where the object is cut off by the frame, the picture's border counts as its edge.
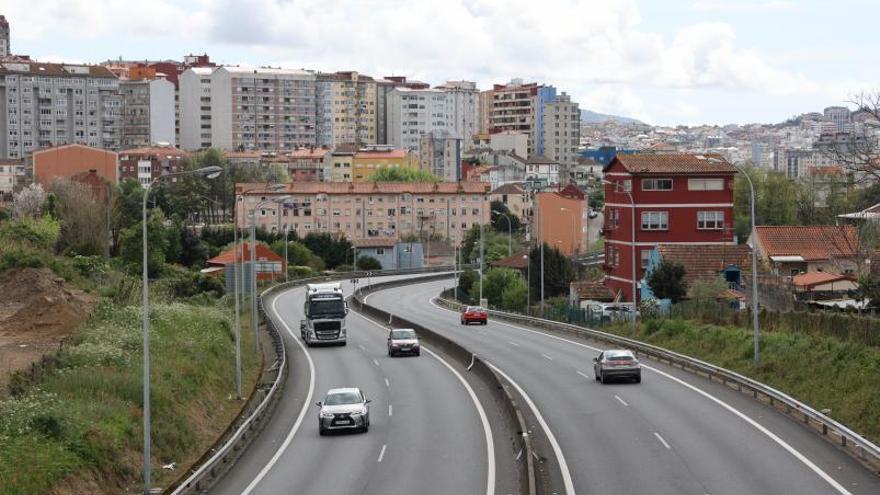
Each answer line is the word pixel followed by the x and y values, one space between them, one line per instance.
pixel 675 199
pixel 519 107
pixel 8 178
pixel 346 109
pixel 562 130
pixel 367 161
pixel 147 112
pixel 309 164
pixel 412 113
pixel 386 210
pixel 235 108
pixel 341 164
pixel 486 102
pixel 46 105
pixel 5 49
pixel 147 164
pixel 465 105
pixel 69 160
pixel 440 153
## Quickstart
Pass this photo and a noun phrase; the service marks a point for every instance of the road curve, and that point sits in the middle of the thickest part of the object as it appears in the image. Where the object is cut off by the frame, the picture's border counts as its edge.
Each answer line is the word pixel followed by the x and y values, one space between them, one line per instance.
pixel 658 437
pixel 417 402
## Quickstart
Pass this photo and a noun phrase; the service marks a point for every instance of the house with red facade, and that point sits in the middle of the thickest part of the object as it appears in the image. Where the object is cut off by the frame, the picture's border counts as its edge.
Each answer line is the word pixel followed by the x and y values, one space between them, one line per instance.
pixel 673 199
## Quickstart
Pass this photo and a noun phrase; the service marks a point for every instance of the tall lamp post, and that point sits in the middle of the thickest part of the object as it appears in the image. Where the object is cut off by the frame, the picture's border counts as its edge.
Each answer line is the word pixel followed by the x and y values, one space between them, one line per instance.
pixel 509 231
pixel 756 331
pixel 632 246
pixel 211 172
pixel 253 274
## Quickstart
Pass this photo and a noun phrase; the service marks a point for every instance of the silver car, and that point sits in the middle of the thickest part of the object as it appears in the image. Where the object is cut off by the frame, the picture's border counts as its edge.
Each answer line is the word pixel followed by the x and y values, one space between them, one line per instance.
pixel 403 341
pixel 617 364
pixel 344 409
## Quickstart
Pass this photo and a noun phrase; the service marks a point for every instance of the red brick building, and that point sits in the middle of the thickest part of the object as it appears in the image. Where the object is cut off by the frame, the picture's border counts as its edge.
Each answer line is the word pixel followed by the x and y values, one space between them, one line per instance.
pixel 678 199
pixel 63 162
pixel 146 164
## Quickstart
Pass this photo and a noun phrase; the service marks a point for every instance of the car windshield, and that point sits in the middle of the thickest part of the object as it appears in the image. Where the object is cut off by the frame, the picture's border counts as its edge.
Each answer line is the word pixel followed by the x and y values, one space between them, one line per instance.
pixel 620 357
pixel 403 334
pixel 342 398
pixel 474 308
pixel 326 307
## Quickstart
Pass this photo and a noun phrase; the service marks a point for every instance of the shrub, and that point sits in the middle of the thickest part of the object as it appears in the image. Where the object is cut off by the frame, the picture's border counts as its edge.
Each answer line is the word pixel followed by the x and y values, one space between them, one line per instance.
pixel 39 233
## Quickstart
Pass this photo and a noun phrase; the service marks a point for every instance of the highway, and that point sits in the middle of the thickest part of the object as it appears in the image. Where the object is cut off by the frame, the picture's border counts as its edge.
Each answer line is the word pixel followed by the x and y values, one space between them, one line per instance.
pixel 426 434
pixel 675 433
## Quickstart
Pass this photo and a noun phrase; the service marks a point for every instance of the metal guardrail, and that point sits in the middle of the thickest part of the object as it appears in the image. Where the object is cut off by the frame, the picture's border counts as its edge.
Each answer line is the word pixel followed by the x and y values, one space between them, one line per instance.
pixel 531 481
pixel 253 416
pixel 850 441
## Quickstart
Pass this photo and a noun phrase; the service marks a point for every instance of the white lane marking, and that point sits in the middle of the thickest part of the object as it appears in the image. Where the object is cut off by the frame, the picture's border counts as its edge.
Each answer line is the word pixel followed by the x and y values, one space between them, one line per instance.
pixel 387 383
pixel 588 377
pixel 487 430
pixel 779 441
pixel 376 362
pixel 557 450
pixel 302 413
pixel 621 400
pixel 382 453
pixel 513 344
pixel 547 357
pixel 367 296
pixel 389 410
pixel 662 440
pixel 361 346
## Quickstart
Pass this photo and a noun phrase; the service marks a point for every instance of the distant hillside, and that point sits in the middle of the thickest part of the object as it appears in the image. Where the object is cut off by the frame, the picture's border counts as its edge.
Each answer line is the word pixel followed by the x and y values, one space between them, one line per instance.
pixel 590 117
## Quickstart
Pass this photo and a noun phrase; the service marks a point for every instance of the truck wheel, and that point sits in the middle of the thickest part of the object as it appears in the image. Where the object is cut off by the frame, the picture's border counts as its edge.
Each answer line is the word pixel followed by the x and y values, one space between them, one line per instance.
pixel 343 343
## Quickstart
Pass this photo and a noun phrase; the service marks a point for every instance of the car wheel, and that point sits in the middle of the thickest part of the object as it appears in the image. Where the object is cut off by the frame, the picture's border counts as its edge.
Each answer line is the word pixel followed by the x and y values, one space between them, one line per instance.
pixel 638 378
pixel 418 353
pixel 485 322
pixel 602 378
pixel 322 432
pixel 596 375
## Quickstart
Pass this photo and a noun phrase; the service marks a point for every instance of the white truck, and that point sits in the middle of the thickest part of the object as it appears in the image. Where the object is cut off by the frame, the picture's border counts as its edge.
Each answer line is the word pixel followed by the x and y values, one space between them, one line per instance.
pixel 325 311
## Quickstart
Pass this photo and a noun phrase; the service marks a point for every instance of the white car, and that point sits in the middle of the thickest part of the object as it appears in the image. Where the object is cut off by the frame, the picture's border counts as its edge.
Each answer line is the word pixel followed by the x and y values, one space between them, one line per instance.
pixel 344 409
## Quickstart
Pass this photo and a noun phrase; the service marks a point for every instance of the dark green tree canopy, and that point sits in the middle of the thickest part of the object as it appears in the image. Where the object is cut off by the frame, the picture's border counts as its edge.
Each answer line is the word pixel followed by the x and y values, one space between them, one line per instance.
pixel 667 281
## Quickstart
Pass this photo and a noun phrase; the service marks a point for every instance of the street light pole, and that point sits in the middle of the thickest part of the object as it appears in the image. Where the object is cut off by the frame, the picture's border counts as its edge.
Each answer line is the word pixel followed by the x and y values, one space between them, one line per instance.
pixel 207 172
pixel 509 232
pixel 286 268
pixel 481 254
pixel 236 289
pixel 632 246
pixel 756 331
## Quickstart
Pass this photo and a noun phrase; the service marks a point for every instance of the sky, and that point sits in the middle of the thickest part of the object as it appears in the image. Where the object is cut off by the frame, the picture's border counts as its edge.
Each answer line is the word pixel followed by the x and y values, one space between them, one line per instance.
pixel 666 62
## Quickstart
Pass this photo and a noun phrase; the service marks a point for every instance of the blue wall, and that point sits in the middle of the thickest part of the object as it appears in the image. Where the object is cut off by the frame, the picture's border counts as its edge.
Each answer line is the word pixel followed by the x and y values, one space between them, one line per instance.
pixel 604 154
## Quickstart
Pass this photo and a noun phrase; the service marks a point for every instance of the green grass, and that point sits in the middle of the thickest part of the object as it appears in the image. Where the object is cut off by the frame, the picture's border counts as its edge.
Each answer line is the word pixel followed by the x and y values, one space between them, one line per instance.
pixel 824 372
pixel 85 419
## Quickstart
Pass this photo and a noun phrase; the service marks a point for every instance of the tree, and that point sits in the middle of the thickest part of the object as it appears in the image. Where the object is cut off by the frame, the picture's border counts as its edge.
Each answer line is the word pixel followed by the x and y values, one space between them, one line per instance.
pixel 858 152
pixel 466 281
pixel 131 245
pixel 368 263
pixel 127 204
pixel 558 272
pixel 333 249
pixel 83 220
pixel 403 175
pixel 495 281
pixel 29 202
pixel 777 200
pixel 193 252
pixel 495 245
pixel 499 210
pixel 513 298
pixel 667 281
pixel 707 289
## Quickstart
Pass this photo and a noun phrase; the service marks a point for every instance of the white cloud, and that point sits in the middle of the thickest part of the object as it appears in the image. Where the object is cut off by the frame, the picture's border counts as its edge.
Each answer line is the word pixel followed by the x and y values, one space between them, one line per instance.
pixel 744 6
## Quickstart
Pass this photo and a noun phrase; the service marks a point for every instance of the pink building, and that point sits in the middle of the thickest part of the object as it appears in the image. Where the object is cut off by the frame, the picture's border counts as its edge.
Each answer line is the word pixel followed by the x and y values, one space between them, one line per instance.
pixel 369 209
pixel 308 164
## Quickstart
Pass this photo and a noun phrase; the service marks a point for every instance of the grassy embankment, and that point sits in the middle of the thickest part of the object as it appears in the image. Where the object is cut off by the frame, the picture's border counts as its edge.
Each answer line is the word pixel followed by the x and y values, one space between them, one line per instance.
pixel 824 372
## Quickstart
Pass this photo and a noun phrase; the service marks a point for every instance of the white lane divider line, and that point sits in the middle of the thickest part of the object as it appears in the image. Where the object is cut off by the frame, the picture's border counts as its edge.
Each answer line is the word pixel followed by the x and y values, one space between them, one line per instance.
pixel 487 430
pixel 382 453
pixel 376 362
pixel 513 343
pixel 662 440
pixel 302 413
pixel 387 383
pixel 547 357
pixel 361 346
pixel 588 377
pixel 390 411
pixel 622 402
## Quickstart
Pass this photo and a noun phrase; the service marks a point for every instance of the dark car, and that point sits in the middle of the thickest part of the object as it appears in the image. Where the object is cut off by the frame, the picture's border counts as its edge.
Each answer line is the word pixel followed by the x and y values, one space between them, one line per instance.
pixel 617 364
pixel 474 314
pixel 403 341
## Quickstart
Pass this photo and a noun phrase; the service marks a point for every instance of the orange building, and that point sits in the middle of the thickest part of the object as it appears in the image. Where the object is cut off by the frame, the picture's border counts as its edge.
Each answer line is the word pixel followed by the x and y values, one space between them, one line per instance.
pixel 558 221
pixel 72 159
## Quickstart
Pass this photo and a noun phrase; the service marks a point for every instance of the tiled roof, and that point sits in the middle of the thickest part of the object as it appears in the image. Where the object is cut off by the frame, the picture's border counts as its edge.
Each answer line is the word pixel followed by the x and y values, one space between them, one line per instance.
pixel 308 153
pixel 242 154
pixel 640 163
pixel 375 242
pixel 811 279
pixel 590 290
pixel 155 150
pixel 540 160
pixel 705 262
pixel 46 69
pixel 370 187
pixel 509 188
pixel 812 242
pixel 263 253
pixel 396 153
pixel 572 191
pixel 517 261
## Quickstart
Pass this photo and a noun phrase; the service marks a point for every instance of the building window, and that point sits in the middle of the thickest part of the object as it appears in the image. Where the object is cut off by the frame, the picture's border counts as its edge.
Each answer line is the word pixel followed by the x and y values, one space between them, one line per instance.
pixel 656 184
pixel 645 255
pixel 380 252
pixel 705 184
pixel 710 220
pixel 655 220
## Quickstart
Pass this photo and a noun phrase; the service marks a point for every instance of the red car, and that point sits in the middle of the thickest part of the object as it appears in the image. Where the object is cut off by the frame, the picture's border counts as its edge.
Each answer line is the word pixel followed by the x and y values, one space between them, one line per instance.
pixel 474 314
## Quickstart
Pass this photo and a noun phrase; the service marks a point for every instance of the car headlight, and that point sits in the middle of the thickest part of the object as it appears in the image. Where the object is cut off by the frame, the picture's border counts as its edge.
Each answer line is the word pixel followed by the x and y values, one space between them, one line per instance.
pixel 327 415
pixel 359 413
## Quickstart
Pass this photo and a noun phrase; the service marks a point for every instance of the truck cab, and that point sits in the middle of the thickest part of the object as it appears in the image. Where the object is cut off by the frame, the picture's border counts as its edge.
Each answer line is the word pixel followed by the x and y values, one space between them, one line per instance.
pixel 324 311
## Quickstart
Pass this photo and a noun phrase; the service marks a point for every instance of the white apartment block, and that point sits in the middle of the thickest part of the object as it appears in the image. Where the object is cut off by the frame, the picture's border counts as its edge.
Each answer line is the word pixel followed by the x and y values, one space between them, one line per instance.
pixel 562 130
pixel 440 153
pixel 147 113
pixel 234 108
pixel 5 50
pixel 465 107
pixel 346 108
pixel 44 105
pixel 412 113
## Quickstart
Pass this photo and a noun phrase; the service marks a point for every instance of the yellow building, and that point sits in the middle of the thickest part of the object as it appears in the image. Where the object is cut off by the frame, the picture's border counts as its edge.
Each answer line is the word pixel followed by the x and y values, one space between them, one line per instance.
pixel 347 110
pixel 341 161
pixel 368 161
